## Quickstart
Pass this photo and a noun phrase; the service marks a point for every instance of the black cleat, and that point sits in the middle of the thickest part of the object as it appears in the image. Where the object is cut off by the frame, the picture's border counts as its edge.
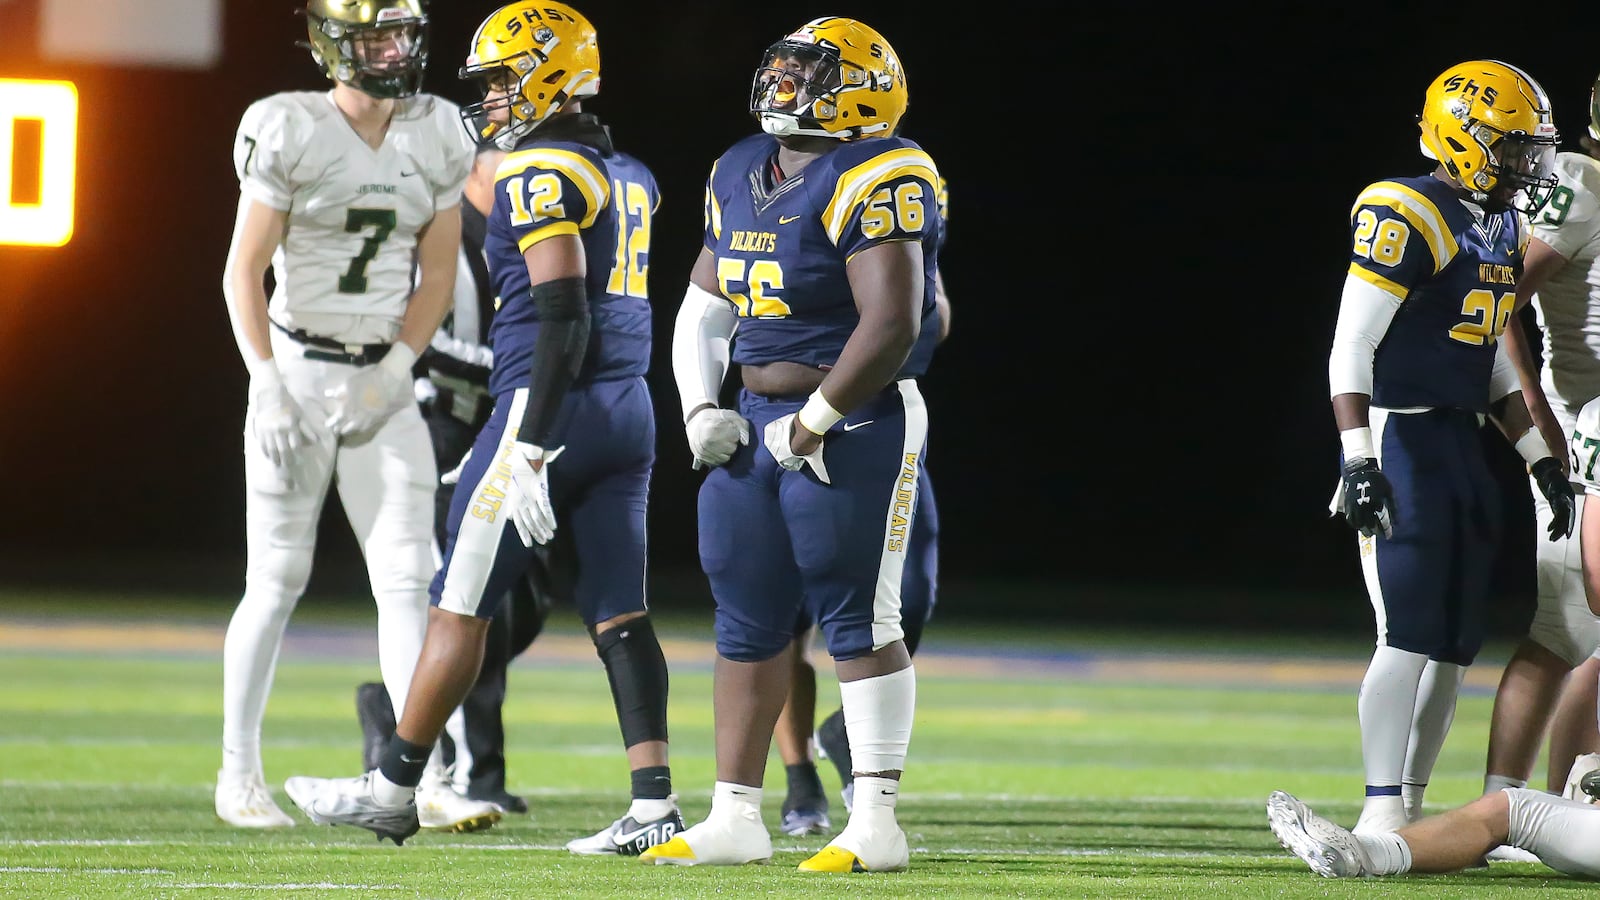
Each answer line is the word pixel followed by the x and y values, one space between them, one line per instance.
pixel 628 836
pixel 1590 784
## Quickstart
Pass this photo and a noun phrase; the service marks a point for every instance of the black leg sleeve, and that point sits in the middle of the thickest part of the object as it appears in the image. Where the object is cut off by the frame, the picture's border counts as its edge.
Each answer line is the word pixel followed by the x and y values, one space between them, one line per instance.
pixel 638 675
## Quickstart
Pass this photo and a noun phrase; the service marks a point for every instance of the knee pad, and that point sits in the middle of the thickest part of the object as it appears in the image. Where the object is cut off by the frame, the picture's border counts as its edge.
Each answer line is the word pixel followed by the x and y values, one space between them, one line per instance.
pixel 638 674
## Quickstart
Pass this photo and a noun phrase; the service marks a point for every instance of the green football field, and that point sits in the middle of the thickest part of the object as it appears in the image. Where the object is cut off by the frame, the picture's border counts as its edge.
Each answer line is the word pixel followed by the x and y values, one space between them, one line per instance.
pixel 1055 763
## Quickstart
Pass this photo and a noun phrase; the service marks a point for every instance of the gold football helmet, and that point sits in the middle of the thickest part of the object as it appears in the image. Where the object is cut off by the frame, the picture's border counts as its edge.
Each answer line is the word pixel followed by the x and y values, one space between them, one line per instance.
pixel 833 78
pixel 531 58
pixel 1489 124
pixel 378 47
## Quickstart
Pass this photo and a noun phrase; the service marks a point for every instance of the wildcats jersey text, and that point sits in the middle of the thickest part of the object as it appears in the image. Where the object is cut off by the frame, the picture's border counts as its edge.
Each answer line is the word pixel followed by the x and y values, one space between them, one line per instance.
pixel 354 211
pixel 781 248
pixel 550 186
pixel 1456 275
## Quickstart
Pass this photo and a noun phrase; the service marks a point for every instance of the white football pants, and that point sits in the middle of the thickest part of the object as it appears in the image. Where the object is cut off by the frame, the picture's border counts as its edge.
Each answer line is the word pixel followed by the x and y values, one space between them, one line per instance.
pixel 386 485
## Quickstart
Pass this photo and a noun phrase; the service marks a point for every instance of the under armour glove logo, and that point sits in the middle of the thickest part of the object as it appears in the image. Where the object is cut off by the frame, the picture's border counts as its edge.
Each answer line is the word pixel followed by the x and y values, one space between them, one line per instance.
pixel 1557 491
pixel 1368 499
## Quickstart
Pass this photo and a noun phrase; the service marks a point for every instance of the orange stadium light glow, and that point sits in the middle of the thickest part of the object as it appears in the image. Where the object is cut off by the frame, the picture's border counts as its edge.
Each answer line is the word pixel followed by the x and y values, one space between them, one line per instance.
pixel 40 215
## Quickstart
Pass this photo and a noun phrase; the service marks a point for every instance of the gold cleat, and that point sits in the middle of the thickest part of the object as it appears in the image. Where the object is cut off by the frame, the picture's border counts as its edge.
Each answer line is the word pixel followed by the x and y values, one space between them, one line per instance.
pixel 837 859
pixel 481 822
pixel 833 859
pixel 675 852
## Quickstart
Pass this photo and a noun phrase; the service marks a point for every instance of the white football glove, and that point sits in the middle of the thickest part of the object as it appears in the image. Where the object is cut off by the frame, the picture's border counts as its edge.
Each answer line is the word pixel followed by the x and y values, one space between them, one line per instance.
pixel 776 439
pixel 531 511
pixel 372 393
pixel 714 435
pixel 279 425
pixel 454 475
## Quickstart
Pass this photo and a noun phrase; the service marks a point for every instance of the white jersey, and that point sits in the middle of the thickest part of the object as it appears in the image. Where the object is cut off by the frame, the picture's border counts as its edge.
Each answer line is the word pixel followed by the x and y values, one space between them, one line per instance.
pixel 354 212
pixel 1568 305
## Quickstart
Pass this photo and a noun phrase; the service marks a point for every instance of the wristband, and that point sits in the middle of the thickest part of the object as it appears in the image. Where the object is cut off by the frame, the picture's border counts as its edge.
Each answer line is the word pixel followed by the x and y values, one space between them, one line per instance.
pixel 399 360
pixel 817 416
pixel 1531 446
pixel 1357 443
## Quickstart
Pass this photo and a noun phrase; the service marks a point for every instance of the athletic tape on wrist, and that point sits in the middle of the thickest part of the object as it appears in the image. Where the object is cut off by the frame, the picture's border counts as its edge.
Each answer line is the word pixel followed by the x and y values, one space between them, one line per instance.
pixel 818 415
pixel 1357 442
pixel 1531 446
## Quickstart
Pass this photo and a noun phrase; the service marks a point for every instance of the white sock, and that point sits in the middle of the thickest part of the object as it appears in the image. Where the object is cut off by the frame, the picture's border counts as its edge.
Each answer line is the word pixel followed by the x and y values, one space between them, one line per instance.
pixel 651 810
pixel 456 728
pixel 1437 690
pixel 1388 852
pixel 249 657
pixel 874 794
pixel 738 800
pixel 1492 783
pixel 1564 834
pixel 387 793
pixel 1385 709
pixel 1411 796
pixel 877 719
pixel 402 622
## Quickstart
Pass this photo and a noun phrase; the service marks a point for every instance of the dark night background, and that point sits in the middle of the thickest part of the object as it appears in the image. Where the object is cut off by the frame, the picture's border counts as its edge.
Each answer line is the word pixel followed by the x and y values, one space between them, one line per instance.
pixel 1148 235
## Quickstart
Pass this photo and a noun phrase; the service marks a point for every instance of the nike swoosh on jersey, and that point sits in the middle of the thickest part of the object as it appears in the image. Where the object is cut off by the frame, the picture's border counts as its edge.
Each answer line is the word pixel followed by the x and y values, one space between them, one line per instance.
pixel 784 220
pixel 854 425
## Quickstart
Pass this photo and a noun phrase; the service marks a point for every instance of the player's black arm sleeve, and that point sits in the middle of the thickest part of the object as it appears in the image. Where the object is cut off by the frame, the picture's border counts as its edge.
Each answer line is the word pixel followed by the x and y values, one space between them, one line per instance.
pixel 558 353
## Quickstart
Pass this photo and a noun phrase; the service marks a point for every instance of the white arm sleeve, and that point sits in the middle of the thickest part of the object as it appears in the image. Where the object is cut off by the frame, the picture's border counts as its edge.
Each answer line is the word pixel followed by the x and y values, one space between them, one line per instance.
pixel 700 351
pixel 1365 311
pixel 1503 379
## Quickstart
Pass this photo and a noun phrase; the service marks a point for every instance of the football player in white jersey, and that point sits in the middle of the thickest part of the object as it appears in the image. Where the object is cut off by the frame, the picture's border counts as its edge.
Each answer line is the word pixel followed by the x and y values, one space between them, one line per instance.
pixel 351 197
pixel 1561 278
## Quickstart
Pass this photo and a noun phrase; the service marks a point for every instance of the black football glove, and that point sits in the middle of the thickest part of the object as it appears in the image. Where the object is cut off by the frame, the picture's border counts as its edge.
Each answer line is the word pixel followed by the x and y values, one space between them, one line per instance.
pixel 1368 499
pixel 1557 490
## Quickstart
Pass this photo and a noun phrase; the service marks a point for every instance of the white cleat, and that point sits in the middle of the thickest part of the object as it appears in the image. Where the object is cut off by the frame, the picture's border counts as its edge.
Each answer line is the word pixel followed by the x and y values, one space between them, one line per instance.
pixel 349 801
pixel 728 840
pixel 243 801
pixel 1329 850
pixel 440 807
pixel 869 843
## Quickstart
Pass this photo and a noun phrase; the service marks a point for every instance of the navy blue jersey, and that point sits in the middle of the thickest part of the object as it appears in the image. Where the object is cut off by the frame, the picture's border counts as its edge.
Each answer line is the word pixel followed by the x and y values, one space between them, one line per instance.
pixel 548 187
pixel 781 249
pixel 1415 238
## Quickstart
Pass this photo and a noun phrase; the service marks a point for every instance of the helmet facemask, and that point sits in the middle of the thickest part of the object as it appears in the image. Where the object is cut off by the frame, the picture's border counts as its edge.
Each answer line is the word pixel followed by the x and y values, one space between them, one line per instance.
pixel 385 59
pixel 508 110
pixel 1519 169
pixel 796 90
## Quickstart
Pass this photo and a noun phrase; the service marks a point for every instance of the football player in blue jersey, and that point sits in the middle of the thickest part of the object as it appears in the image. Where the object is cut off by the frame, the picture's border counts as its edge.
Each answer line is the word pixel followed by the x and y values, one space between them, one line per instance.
pixel 821 245
pixel 568 247
pixel 1415 367
pixel 805 807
